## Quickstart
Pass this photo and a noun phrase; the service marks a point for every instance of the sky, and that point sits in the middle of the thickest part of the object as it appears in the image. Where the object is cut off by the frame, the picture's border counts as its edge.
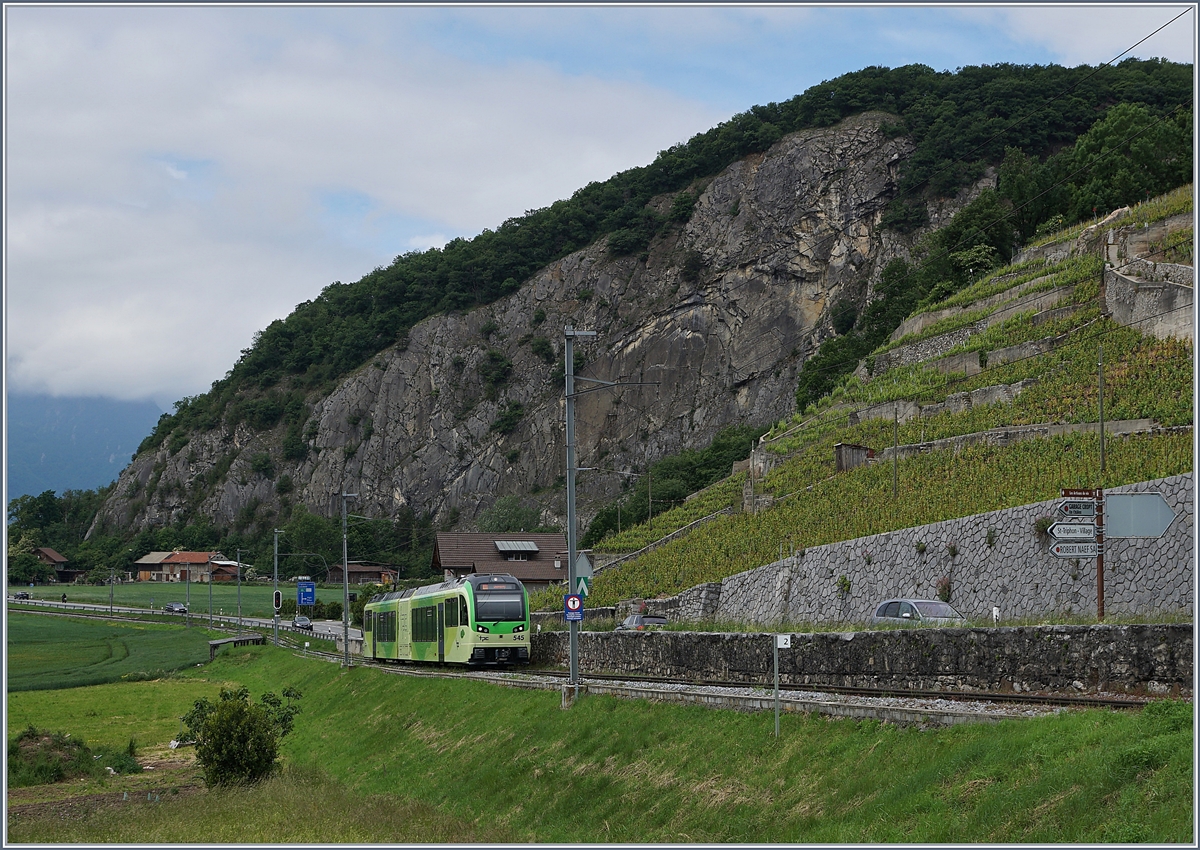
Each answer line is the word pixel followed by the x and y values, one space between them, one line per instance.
pixel 177 177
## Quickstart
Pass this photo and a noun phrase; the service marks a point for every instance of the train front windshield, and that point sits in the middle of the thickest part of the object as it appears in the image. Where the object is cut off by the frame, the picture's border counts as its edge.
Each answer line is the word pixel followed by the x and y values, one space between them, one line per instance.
pixel 492 606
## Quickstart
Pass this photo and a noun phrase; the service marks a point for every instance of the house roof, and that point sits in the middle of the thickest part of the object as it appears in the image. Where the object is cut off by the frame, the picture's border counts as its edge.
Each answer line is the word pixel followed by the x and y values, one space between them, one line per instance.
pixel 51 554
pixel 193 558
pixel 152 558
pixel 485 553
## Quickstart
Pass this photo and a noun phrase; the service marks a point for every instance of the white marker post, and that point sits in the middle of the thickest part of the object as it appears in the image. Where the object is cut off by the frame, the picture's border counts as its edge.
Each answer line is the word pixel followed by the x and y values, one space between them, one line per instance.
pixel 781 642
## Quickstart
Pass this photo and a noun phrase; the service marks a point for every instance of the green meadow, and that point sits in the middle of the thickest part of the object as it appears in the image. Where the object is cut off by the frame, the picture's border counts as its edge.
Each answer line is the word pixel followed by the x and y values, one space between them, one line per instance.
pixel 50 653
pixel 468 761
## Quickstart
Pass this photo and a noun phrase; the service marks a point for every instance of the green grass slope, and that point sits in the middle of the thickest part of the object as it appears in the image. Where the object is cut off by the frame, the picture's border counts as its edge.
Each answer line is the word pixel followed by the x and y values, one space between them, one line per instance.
pixel 511 765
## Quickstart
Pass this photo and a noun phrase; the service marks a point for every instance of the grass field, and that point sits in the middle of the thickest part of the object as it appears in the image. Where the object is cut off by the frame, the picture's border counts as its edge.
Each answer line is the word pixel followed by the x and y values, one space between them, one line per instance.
pixel 511 765
pixel 49 653
pixel 256 597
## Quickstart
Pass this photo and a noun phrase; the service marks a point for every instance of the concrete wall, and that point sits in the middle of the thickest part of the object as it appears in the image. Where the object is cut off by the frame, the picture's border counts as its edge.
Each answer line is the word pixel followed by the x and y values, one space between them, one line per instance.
pixel 1014 572
pixel 1150 659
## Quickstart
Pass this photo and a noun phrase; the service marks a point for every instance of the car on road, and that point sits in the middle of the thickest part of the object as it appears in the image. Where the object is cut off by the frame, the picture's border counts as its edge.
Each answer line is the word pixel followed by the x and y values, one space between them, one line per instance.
pixel 21 594
pixel 301 622
pixel 175 608
pixel 641 622
pixel 916 612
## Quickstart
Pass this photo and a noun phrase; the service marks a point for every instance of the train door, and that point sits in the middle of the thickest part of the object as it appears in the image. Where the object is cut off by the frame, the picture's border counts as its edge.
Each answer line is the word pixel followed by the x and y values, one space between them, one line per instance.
pixel 370 618
pixel 441 631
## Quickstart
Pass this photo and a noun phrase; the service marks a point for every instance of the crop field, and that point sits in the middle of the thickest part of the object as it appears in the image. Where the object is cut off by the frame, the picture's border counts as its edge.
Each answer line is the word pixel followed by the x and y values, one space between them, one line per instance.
pixel 51 653
pixel 377 746
pixel 256 596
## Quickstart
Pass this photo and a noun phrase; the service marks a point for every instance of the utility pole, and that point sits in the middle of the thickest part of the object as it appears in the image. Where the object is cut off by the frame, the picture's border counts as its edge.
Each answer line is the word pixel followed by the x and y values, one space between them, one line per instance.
pixel 210 571
pixel 239 580
pixel 1100 503
pixel 275 588
pixel 569 335
pixel 345 585
pixel 895 451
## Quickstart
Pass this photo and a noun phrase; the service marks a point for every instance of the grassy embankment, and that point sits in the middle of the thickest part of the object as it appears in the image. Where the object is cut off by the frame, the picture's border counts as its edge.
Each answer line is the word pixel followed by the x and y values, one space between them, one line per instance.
pixel 473 762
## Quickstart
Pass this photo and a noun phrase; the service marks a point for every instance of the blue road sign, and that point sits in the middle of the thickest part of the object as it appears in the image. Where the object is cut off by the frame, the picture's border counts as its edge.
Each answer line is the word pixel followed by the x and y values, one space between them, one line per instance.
pixel 306 593
pixel 573 607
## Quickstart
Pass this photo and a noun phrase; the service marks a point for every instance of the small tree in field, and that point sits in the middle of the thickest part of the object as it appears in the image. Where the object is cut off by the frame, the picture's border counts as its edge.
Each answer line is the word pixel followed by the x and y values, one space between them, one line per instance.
pixel 237 742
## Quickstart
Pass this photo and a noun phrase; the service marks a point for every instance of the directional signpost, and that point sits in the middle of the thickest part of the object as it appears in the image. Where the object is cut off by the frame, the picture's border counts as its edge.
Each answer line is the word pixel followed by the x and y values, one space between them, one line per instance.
pixel 306 593
pixel 1077 507
pixel 1072 531
pixel 1062 549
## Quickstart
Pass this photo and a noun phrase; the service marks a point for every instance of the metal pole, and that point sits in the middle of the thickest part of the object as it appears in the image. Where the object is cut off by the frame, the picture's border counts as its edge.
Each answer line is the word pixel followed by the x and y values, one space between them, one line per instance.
pixel 345 585
pixel 1101 406
pixel 895 451
pixel 1100 502
pixel 775 643
pixel 210 622
pixel 275 587
pixel 110 590
pixel 188 602
pixel 239 579
pixel 569 371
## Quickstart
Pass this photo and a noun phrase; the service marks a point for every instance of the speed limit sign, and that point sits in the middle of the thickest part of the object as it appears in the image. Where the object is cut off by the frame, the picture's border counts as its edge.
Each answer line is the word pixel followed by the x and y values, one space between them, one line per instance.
pixel 573 607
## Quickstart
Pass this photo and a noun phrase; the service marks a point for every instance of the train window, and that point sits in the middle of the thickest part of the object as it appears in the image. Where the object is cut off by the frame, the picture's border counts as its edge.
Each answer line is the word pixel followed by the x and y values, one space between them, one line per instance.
pixel 424 624
pixel 463 618
pixel 451 613
pixel 490 607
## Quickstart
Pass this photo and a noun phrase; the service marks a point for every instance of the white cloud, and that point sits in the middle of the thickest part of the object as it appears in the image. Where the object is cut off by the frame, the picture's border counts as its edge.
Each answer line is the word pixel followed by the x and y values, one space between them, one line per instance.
pixel 167 170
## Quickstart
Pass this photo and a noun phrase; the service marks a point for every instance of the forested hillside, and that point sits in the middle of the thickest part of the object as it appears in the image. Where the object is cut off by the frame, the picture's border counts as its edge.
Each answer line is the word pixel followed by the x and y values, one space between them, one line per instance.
pixel 1059 146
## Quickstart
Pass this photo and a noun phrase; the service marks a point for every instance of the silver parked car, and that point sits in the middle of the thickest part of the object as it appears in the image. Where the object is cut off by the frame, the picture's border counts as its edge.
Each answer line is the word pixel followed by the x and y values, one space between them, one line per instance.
pixel 916 612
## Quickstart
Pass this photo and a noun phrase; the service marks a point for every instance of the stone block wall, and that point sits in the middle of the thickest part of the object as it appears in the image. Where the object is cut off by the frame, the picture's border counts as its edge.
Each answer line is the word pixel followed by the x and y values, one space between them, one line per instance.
pixel 1014 572
pixel 1158 309
pixel 1145 659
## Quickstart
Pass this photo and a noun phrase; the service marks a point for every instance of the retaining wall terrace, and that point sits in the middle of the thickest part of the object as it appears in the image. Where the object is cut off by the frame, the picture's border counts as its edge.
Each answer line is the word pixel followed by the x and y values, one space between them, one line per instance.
pixel 1142 659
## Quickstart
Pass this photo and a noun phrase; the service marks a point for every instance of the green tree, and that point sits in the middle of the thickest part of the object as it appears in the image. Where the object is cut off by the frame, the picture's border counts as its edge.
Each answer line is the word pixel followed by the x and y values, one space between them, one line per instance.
pixel 237 742
pixel 506 514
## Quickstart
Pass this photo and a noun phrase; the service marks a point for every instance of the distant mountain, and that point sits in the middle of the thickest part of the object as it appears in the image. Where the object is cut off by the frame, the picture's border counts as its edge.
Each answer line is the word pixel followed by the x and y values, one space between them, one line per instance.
pixel 72 443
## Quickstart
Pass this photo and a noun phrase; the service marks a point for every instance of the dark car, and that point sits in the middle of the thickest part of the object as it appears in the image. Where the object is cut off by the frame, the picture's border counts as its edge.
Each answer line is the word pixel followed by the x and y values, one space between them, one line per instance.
pixel 175 608
pixel 916 612
pixel 21 594
pixel 300 622
pixel 641 622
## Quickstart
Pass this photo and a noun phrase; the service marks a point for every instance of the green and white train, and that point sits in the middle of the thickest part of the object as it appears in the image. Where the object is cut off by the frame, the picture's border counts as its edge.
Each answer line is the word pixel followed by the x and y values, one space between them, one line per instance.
pixel 477 619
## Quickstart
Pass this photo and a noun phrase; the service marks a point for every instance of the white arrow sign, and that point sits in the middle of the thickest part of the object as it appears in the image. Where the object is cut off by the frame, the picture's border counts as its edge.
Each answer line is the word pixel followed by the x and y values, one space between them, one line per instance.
pixel 582 585
pixel 1137 515
pixel 1072 531
pixel 1075 550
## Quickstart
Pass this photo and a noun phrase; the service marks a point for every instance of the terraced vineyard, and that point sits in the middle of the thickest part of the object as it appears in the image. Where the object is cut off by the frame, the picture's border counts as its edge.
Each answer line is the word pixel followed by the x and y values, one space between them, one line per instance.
pixel 1054 369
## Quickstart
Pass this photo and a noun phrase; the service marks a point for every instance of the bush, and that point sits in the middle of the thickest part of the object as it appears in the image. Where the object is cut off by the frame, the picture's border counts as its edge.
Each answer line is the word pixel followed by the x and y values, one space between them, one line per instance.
pixel 237 742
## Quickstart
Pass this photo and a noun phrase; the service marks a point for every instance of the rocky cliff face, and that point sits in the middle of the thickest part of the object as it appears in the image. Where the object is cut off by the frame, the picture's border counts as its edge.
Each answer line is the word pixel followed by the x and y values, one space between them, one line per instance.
pixel 716 319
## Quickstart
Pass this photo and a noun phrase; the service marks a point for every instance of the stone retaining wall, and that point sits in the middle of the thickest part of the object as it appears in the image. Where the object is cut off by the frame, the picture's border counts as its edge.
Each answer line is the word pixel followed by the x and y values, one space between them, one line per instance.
pixel 1157 309
pixel 1145 659
pixel 999 561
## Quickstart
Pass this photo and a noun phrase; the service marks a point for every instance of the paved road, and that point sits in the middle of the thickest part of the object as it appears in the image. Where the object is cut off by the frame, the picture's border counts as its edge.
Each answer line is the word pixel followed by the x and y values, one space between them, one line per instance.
pixel 325 629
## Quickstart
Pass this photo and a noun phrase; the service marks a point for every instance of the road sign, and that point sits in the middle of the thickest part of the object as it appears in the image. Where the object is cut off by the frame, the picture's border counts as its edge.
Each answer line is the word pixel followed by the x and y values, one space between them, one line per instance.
pixel 573 607
pixel 783 641
pixel 306 593
pixel 1077 507
pixel 1136 515
pixel 1068 493
pixel 1075 550
pixel 582 585
pixel 278 600
pixel 1072 531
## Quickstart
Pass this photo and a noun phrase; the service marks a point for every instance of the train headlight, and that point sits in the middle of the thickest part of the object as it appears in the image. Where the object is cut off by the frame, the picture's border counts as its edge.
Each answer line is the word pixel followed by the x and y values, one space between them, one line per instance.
pixel 480 628
pixel 518 629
